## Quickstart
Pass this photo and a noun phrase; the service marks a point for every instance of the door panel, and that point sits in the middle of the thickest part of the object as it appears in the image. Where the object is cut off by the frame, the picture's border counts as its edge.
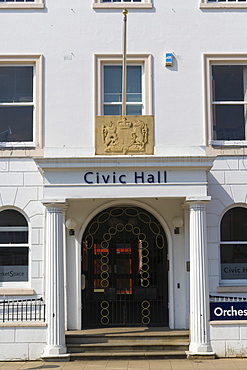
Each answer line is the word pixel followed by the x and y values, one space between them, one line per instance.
pixel 124 253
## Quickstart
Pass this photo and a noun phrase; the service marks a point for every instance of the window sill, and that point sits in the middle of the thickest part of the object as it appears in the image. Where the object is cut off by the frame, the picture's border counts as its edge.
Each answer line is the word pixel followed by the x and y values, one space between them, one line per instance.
pixel 228 322
pixel 228 143
pixel 122 6
pixel 12 292
pixel 20 152
pixel 21 6
pixel 31 324
pixel 232 289
pixel 223 6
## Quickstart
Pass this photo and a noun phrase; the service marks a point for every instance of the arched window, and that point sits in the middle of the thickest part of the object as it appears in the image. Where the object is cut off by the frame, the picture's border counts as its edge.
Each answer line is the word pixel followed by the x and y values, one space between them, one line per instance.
pixel 13 246
pixel 233 246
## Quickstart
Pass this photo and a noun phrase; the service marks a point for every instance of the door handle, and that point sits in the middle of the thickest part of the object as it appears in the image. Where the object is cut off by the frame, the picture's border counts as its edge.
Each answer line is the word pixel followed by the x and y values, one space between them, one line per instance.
pixel 83 281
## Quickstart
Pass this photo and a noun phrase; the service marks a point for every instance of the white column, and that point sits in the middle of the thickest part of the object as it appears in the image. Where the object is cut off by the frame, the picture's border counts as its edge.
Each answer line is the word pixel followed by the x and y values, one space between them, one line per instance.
pixel 55 304
pixel 199 293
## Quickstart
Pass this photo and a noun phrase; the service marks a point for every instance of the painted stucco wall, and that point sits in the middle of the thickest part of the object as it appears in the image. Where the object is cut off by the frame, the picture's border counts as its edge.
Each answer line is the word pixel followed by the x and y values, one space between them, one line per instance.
pixel 18 343
pixel 68 34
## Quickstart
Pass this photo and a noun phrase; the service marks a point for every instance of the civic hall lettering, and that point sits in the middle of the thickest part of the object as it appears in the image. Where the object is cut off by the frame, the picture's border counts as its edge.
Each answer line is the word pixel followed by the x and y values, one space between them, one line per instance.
pixel 234 270
pixel 135 177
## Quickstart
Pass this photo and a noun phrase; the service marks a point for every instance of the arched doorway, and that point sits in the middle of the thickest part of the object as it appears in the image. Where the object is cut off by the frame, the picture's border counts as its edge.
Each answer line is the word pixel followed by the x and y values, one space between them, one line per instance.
pixel 124 270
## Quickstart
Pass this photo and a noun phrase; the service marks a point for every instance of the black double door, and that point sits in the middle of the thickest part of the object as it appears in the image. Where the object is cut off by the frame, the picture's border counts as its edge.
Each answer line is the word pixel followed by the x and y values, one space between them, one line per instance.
pixel 124 270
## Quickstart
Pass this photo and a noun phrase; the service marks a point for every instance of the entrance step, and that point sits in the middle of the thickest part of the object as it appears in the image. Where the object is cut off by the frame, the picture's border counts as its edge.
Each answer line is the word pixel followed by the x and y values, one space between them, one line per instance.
pixel 127 343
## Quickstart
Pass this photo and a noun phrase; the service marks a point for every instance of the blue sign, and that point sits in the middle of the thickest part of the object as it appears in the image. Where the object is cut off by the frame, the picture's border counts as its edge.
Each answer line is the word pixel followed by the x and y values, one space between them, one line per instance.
pixel 228 310
pixel 169 59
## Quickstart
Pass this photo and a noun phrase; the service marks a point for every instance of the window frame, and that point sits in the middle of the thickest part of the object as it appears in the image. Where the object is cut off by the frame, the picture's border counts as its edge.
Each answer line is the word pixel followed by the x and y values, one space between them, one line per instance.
pixel 36 62
pixel 209 61
pixel 37 4
pixel 138 59
pixel 19 284
pixel 145 4
pixel 230 282
pixel 204 4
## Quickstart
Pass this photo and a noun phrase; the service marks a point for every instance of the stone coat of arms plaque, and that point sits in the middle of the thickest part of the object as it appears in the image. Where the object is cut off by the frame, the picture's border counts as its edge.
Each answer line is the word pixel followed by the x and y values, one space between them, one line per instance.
pixel 124 135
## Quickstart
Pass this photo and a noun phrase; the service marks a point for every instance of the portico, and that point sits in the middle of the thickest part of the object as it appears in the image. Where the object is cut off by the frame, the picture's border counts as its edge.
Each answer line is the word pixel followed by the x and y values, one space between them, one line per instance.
pixel 165 187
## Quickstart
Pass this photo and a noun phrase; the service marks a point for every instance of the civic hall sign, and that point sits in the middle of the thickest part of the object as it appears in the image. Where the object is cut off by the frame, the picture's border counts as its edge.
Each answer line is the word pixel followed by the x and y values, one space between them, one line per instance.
pixel 133 177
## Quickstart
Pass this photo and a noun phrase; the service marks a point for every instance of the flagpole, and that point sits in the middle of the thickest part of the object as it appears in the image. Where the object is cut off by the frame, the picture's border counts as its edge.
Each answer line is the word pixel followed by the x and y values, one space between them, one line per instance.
pixel 124 66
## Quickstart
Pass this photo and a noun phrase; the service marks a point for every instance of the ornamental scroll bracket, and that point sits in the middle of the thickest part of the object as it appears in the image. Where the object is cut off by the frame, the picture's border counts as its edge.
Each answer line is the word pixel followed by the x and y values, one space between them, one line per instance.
pixel 124 135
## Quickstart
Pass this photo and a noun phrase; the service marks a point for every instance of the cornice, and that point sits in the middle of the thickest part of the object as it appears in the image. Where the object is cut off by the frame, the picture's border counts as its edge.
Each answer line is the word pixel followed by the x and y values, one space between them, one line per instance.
pixel 127 162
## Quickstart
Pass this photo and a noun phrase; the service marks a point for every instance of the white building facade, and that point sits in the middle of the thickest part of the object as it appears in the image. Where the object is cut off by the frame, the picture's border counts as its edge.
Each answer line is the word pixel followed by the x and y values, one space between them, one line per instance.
pixel 122 221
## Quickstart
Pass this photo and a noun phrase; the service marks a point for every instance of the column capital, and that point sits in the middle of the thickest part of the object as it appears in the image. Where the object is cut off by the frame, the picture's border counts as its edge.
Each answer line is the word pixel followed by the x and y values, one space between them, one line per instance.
pixel 198 200
pixel 55 204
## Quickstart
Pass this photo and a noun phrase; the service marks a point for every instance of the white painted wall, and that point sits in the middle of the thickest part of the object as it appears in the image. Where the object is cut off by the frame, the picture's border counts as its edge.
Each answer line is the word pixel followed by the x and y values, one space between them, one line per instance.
pixel 18 343
pixel 229 339
pixel 68 34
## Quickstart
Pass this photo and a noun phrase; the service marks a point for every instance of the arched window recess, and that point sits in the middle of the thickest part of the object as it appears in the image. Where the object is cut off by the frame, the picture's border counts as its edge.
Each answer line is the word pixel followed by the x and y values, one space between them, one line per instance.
pixel 233 247
pixel 14 248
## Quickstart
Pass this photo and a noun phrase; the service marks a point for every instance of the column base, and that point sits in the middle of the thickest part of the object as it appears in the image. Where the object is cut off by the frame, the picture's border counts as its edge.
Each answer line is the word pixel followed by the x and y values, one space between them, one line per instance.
pixel 200 350
pixel 200 347
pixel 200 355
pixel 55 353
pixel 59 358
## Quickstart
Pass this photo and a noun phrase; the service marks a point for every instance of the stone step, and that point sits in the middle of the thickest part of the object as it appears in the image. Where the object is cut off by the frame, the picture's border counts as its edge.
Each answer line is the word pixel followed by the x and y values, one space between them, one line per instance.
pixel 92 340
pixel 127 343
pixel 128 347
pixel 82 337
pixel 128 355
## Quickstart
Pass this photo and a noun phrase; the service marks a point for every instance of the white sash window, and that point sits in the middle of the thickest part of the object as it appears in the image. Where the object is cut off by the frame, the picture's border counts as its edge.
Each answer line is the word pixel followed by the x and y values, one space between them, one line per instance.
pixel 223 4
pixel 233 247
pixel 19 4
pixel 14 247
pixel 20 101
pixel 122 4
pixel 226 99
pixel 108 87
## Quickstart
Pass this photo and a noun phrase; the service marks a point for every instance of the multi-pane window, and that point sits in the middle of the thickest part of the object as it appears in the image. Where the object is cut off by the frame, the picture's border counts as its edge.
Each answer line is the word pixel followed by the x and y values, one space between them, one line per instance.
pixel 17 1
pixel 223 4
pixel 229 102
pixel 20 102
pixel 16 104
pixel 21 3
pixel 233 245
pixel 14 249
pixel 226 99
pixel 122 3
pixel 226 1
pixel 113 90
pixel 108 84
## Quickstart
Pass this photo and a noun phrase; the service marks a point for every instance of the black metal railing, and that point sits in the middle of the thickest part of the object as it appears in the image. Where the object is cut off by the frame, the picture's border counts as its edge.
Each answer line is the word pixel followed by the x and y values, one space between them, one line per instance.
pixel 22 310
pixel 221 298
